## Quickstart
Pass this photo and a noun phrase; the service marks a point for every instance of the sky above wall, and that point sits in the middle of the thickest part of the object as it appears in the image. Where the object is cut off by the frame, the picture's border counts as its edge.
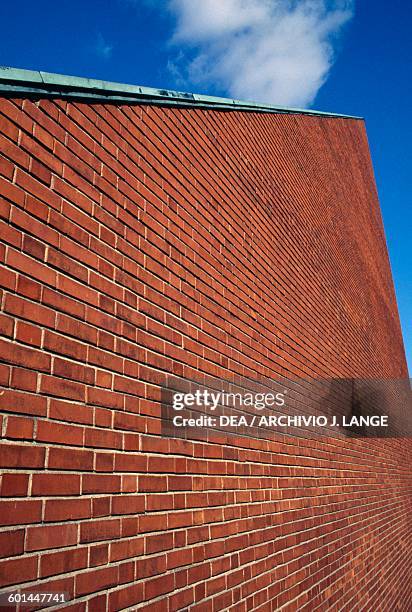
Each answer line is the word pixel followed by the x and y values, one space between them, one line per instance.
pixel 351 57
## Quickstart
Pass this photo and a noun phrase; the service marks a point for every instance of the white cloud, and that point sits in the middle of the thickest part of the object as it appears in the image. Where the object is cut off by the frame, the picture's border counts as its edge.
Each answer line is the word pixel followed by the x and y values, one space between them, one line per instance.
pixel 102 48
pixel 277 51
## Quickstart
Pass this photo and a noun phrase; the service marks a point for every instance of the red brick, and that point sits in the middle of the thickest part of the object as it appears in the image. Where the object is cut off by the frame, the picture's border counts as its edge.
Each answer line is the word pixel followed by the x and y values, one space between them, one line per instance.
pixel 11 543
pixel 101 506
pixel 22 402
pixel 72 327
pixel 21 456
pixel 10 236
pixel 104 462
pixel 31 312
pixel 5 372
pixel 19 570
pixel 6 168
pixel 68 369
pixel 20 512
pixel 31 267
pixel 95 604
pixel 24 379
pixel 99 555
pixel 70 459
pixel 103 417
pixel 61 387
pixel 50 431
pixel 65 346
pixel 6 326
pixel 24 356
pixel 158 586
pixel 62 303
pixel 67 509
pixel 73 288
pixel 56 484
pixel 11 192
pixel 71 412
pixel 29 288
pixel 14 485
pixel 128 504
pixel 124 549
pixel 97 580
pixel 152 483
pixel 33 247
pixel 127 462
pixel 47 537
pixel 102 397
pixel 8 278
pixel 38 190
pixel 101 438
pixel 63 562
pixel 40 172
pixel 31 219
pixel 100 483
pixel 19 428
pixel 126 597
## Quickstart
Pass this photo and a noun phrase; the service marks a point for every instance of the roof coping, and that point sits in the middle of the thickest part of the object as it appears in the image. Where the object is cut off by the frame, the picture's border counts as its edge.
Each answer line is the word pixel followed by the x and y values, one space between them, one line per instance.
pixel 39 84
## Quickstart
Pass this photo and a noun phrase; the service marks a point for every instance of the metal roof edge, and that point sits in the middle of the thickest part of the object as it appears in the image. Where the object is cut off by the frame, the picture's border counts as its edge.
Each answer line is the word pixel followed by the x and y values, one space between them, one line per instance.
pixel 36 83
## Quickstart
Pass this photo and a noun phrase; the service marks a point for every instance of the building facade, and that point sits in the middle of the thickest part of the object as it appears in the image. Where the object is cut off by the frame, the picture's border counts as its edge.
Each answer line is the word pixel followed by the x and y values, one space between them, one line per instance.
pixel 149 236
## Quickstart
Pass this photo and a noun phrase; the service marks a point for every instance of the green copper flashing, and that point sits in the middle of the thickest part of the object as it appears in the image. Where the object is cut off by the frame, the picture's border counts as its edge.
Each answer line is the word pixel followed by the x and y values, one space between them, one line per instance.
pixel 33 83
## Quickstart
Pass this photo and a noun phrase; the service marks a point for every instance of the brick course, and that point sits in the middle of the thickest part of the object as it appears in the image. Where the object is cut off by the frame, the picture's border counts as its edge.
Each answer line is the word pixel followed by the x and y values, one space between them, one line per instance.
pixel 141 242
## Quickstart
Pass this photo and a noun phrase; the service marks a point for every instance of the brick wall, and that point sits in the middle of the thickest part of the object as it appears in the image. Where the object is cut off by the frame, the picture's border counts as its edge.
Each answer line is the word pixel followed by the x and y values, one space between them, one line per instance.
pixel 143 242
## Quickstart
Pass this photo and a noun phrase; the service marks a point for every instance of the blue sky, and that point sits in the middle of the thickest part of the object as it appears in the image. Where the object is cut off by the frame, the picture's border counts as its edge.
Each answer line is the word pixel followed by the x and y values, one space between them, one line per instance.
pixel 168 44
